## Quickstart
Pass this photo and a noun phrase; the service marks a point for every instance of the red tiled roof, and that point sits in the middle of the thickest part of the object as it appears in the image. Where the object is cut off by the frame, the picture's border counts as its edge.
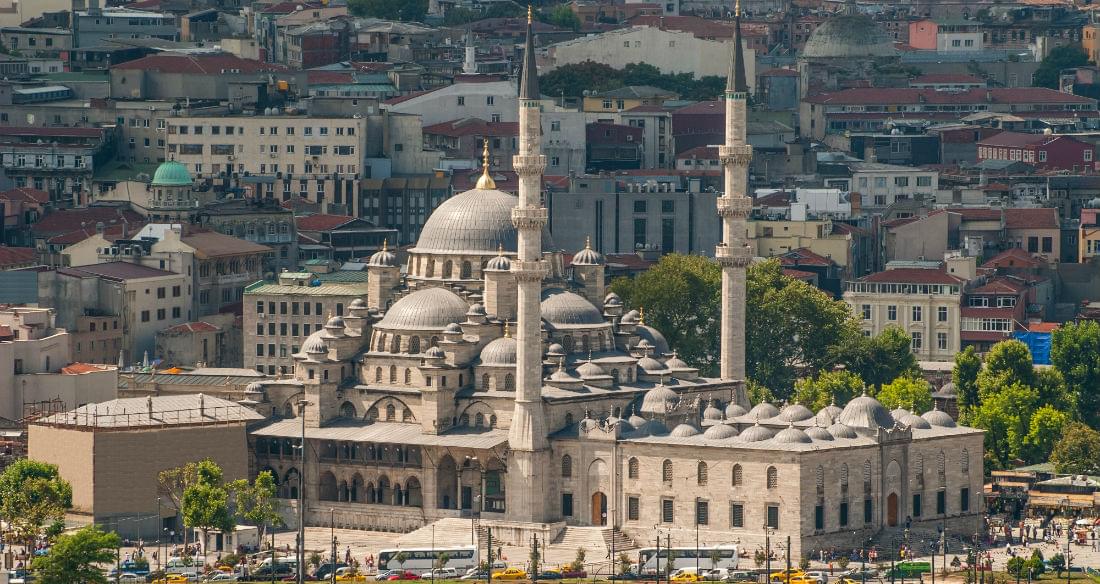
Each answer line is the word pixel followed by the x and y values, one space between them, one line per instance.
pixel 1016 139
pixel 1041 327
pixel 16 256
pixel 1000 285
pixel 1012 258
pixel 977 213
pixel 804 257
pixel 211 244
pixel 906 96
pixel 778 73
pixel 948 78
pixel 193 327
pixel 224 64
pixel 912 276
pixel 847 229
pixel 321 222
pixel 26 194
pixel 66 220
pixel 473 127
pixel 702 108
pixel 704 152
pixel 1044 218
pixel 776 199
pixel 110 233
pixel 51 132
pixel 407 97
pixel 799 274
pixel 81 368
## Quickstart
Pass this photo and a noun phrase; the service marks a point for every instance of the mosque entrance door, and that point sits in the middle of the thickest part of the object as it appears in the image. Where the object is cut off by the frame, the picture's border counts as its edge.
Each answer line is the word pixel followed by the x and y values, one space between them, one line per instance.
pixel 599 508
pixel 892 510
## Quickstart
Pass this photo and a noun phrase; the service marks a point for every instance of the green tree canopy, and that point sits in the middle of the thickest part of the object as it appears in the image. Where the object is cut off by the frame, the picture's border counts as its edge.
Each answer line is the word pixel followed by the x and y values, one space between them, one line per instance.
pixel 77 557
pixel 1075 353
pixel 1005 414
pixel 1078 451
pixel 965 377
pixel 205 503
pixel 1009 358
pixel 256 501
pixel 879 359
pixel 407 10
pixel 1062 57
pixel 909 392
pixel 33 494
pixel 561 16
pixel 1045 429
pixel 827 387
pixel 575 79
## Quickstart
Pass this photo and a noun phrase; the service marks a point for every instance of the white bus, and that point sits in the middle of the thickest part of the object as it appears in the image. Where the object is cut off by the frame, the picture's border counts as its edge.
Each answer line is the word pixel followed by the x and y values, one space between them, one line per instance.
pixel 421 560
pixel 685 557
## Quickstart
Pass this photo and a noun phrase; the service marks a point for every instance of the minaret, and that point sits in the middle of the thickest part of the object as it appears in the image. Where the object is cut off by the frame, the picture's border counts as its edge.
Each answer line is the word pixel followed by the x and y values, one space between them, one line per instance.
pixel 733 206
pixel 527 498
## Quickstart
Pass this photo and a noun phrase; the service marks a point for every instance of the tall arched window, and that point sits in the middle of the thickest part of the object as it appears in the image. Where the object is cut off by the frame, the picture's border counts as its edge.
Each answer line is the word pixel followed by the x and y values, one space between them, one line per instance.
pixel 941 467
pixel 569 419
pixel 393 373
pixel 632 468
pixel 773 477
pixel 666 471
pixel 509 382
pixel 701 474
pixel 867 476
pixel 844 478
pixel 479 420
pixel 738 477
pixel 414 345
pixel 965 461
pixel 586 344
pixel 391 413
pixel 566 466
pixel 820 479
pixel 408 376
pixel 395 344
pixel 466 272
pixel 378 375
pixel 447 269
pixel 567 343
pixel 485 381
pixel 493 421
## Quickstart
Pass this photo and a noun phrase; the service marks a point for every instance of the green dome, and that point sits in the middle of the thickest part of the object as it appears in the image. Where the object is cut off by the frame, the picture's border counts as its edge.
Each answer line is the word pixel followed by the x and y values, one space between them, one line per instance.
pixel 172 174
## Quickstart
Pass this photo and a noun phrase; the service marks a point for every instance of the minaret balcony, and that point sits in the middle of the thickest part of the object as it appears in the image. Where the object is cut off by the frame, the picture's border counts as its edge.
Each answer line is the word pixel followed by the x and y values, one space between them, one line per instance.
pixel 530 270
pixel 734 206
pixel 529 165
pixel 529 217
pixel 740 155
pixel 738 256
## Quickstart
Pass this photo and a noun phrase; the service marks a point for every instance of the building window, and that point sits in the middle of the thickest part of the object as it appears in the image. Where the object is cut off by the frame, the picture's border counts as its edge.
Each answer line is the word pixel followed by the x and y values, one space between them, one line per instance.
pixel 144 316
pixel 666 471
pixel 175 312
pixel 843 513
pixel 1042 156
pixel 773 517
pixel 892 312
pixel 702 474
pixel 567 504
pixel 737 515
pixel 866 311
pixel 632 468
pixel 941 502
pixel 964 499
pixel 918 314
pixel 941 341
pixel 941 314
pixel 917 507
pixel 567 466
pixel 773 477
pixel 868 510
pixel 917 341
pixel 632 508
pixel 738 478
pixel 819 517
pixel 667 510
pixel 640 206
pixel 702 513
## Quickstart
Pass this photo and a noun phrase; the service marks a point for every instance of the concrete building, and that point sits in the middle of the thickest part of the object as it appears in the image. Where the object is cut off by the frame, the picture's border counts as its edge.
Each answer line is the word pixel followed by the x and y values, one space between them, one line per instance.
pixel 260 220
pixel 112 452
pixel 882 185
pixel 658 148
pixel 60 161
pixel 166 76
pixel 842 243
pixel 343 238
pixel 34 42
pixel 96 27
pixel 214 341
pixel 946 35
pixel 1044 151
pixel 228 383
pixel 404 203
pixel 16 12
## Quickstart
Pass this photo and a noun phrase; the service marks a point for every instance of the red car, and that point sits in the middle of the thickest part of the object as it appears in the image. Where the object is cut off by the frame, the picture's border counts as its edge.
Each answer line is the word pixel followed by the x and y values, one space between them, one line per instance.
pixel 406 575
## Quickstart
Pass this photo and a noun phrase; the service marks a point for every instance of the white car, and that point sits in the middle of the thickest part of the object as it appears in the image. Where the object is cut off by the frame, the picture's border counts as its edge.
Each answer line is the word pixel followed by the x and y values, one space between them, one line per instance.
pixel 129 578
pixel 221 577
pixel 821 577
pixel 441 574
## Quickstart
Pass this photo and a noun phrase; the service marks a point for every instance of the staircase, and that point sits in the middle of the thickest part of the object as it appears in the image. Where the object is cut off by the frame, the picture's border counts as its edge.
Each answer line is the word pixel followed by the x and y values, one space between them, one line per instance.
pixel 452 531
pixel 622 542
pixel 891 539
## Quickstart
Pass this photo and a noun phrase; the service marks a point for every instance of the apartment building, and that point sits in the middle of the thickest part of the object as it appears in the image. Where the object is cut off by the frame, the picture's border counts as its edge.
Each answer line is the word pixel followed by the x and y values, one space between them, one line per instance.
pixel 844 244
pixel 280 315
pixel 282 156
pixel 59 161
pixel 881 185
pixel 95 27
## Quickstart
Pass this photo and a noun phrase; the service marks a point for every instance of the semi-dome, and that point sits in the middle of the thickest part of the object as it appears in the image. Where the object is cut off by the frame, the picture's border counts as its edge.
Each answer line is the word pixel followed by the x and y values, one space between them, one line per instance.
pixel 655 338
pixel 795 413
pixel 612 299
pixel 734 410
pixel 630 317
pixel 384 257
pixel 755 433
pixel 939 418
pixel 659 400
pixel 429 308
pixel 500 352
pixel 560 307
pixel 476 309
pixel 839 430
pixel 791 435
pixel 763 411
pixel 588 256
pixel 636 421
pixel 171 174
pixel 866 412
pixel 684 431
pixel 476 221
pixel 947 391
pixel 254 387
pixel 720 432
pixel 915 421
pixel 819 433
pixel 849 36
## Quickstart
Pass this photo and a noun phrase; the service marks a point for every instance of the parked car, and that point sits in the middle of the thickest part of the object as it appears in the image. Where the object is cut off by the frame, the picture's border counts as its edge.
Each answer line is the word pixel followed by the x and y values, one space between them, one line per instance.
pixel 402 575
pixel 550 575
pixel 440 574
pixel 383 575
pixel 569 573
pixel 172 579
pixel 785 575
pixel 220 577
pixel 684 577
pixel 325 570
pixel 622 576
pixel 510 574
pixel 820 577
pixel 130 578
pixel 476 575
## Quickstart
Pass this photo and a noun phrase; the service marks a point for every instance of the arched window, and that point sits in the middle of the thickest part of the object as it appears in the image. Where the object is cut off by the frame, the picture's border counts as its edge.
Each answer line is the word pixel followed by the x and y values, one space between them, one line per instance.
pixel 485 381
pixel 391 413
pixel 844 478
pixel 632 468
pixel 447 269
pixel 615 375
pixel 941 467
pixel 466 272
pixel 701 474
pixel 569 419
pixel 372 414
pixel 378 375
pixel 965 461
pixel 408 376
pixel 867 476
pixel 406 415
pixel 347 410
pixel 820 479
pixel 773 477
pixel 479 420
pixel 414 345
pixel 493 421
pixel 393 373
pixel 738 478
pixel 666 471
pixel 395 344
pixel 918 469
pixel 567 466
pixel 509 382
pixel 464 420
pixel 567 343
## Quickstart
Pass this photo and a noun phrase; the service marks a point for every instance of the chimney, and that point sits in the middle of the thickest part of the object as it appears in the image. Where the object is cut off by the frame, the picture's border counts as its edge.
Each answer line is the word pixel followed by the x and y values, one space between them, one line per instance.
pixel 202 405
pixel 989 95
pixel 856 201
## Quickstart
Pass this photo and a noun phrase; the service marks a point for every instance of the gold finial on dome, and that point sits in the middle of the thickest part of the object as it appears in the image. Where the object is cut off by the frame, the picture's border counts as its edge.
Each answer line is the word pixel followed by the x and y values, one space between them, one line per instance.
pixel 486 181
pixel 385 244
pixel 641 315
pixel 530 13
pixel 507 331
pixel 587 242
pixel 500 249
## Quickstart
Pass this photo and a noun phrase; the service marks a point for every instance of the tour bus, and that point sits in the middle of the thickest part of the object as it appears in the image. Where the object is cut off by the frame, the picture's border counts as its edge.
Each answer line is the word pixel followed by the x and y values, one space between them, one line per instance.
pixel 684 557
pixel 419 560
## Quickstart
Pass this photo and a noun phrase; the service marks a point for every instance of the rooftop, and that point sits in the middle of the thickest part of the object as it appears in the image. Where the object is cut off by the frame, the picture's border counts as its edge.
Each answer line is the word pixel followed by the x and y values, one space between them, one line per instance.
pixel 144 412
pixel 118 271
pixel 220 64
pixel 211 244
pixel 336 289
pixel 908 96
pixel 913 276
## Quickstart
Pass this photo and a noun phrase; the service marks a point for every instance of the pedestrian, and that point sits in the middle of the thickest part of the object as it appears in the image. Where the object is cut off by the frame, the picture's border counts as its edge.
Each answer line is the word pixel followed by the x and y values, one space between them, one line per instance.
pixel 347 555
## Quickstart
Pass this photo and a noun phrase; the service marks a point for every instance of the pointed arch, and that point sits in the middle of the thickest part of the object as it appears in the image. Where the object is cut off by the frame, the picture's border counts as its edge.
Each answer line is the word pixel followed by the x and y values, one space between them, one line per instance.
pixel 566 466
pixel 772 477
pixel 414 345
pixel 666 471
pixel 738 475
pixel 701 474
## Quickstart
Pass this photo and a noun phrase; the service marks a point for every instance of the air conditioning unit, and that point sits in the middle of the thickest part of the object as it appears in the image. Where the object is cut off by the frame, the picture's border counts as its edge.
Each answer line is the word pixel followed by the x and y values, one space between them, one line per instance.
pixel 231 157
pixel 273 155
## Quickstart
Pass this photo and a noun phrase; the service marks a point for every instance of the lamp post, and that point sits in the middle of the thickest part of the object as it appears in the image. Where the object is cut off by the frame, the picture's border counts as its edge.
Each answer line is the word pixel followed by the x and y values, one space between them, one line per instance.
pixel 767 554
pixel 332 535
pixel 158 522
pixel 302 497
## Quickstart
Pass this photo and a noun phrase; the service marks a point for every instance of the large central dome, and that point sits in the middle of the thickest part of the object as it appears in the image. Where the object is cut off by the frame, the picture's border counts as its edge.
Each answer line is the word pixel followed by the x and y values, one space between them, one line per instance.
pixel 849 36
pixel 477 221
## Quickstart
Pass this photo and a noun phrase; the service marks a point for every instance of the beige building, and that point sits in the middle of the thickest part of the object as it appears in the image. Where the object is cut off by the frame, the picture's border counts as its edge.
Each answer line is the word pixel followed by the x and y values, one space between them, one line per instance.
pixel 280 316
pixel 924 301
pixel 214 341
pixel 112 452
pixel 284 156
pixel 771 238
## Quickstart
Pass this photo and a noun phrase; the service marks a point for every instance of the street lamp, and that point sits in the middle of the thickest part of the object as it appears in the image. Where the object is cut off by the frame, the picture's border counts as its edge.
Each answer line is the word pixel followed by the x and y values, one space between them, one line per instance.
pixel 302 497
pixel 332 534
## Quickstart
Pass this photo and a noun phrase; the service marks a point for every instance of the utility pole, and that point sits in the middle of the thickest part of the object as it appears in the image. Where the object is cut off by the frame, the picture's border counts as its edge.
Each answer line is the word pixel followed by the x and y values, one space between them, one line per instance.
pixel 302 498
pixel 489 554
pixel 534 558
pixel 767 554
pixel 332 535
pixel 658 558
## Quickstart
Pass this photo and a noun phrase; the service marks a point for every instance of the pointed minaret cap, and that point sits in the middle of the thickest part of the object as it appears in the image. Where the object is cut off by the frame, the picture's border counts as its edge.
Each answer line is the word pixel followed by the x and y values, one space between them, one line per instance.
pixel 529 76
pixel 736 81
pixel 486 182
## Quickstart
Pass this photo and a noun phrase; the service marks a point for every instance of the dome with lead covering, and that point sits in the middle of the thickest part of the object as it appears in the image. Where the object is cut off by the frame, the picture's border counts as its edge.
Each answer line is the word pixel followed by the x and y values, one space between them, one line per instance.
pixel 839 430
pixel 651 365
pixel 588 256
pixel 899 413
pixel 828 415
pixel 659 400
pixel 915 421
pixel 720 432
pixel 612 299
pixel 651 428
pixel 763 411
pixel 866 412
pixel 850 36
pixel 795 413
pixel 453 329
pixel 476 221
pixel 939 418
pixel 172 174
pixel 734 410
pixel 314 345
pixel 636 421
pixel 755 433
pixel 819 433
pixel 630 317
pixel 712 413
pixel 429 308
pixel 500 263
pixel 791 435
pixel 357 303
pixel 434 353
pixel 589 369
pixel 684 431
pixel 655 338
pixel 555 350
pixel 383 258
pixel 499 352
pixel 567 308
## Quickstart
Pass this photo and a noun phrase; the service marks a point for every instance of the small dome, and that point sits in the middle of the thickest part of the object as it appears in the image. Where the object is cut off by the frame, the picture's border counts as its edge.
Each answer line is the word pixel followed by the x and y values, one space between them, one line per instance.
pixel 676 363
pixel 555 350
pixel 429 308
pixel 948 391
pixel 651 428
pixel 795 413
pixel 824 418
pixel 384 257
pixel 314 345
pixel 500 263
pixel 791 435
pixel 254 387
pixel 712 413
pixel 755 433
pixel 651 365
pixel 453 329
pixel 358 303
pixel 939 418
pixel 763 411
pixel 865 412
pixel 915 421
pixel 832 410
pixel 477 309
pixel 644 344
pixel 172 174
pixel 819 433
pixel 336 322
pixel 588 256
pixel 589 369
pixel 567 308
pixel 839 430
pixel 655 338
pixel 434 353
pixel 734 410
pixel 684 431
pixel 899 413
pixel 612 299
pixel 630 317
pixel 720 432
pixel 587 424
pixel 563 376
pixel 659 400
pixel 849 36
pixel 499 352
pixel 636 421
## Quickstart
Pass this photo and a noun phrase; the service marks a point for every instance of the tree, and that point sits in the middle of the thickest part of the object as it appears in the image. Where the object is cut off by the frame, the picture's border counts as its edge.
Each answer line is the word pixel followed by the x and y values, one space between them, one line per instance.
pixel 1046 427
pixel 256 501
pixel 759 558
pixel 205 504
pixel 1075 353
pixel 1058 562
pixel 444 557
pixel 578 560
pixel 1009 358
pixel 842 562
pixel 173 483
pixel 1063 57
pixel 1078 452
pixel 879 359
pixel 407 10
pixel 1036 563
pixel 32 494
pixel 1017 566
pixel 77 557
pixel 624 562
pixel 965 377
pixel 1054 391
pixel 906 392
pixel 561 16
pixel 1005 415
pixel 828 387
pixel 573 80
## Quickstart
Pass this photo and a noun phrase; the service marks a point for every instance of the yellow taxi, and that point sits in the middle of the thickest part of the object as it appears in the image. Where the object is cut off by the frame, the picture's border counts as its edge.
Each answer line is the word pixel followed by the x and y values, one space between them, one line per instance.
pixel 510 574
pixel 786 575
pixel 172 579
pixel 686 577
pixel 349 575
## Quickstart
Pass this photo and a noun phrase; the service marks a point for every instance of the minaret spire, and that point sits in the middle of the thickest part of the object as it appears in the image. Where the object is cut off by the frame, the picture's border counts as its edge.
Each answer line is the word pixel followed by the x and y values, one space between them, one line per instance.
pixel 529 76
pixel 736 80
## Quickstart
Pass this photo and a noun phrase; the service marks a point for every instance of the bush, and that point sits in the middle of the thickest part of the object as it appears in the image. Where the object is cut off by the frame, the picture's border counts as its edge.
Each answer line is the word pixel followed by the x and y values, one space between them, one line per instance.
pixel 842 562
pixel 804 564
pixel 1017 567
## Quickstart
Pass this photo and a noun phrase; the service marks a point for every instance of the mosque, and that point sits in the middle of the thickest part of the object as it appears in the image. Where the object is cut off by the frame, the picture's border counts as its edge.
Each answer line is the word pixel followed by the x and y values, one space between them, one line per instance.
pixel 485 378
